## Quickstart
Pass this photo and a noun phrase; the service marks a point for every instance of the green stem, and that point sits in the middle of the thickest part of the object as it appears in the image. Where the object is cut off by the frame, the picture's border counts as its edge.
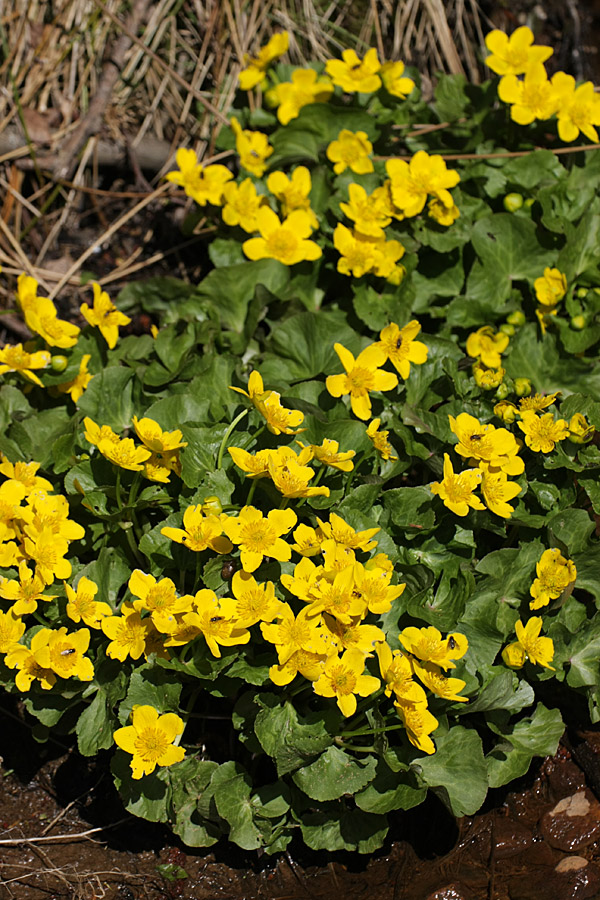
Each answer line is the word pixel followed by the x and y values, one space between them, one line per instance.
pixel 197 572
pixel 118 490
pixel 251 491
pixel 356 749
pixel 284 502
pixel 133 546
pixel 227 435
pixel 314 484
pixel 133 490
pixel 352 472
pixel 359 732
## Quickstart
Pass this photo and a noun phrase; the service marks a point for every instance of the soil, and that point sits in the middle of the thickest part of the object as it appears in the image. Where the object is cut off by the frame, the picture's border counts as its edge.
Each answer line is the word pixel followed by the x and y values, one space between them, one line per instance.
pixel 64 836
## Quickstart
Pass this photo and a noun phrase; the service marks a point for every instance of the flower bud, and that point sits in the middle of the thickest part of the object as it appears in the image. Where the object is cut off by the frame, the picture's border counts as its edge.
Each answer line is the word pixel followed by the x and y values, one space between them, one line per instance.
pixel 578 323
pixel 522 387
pixel 507 328
pixel 211 506
pixel 513 202
pixel 502 392
pixel 516 318
pixel 59 363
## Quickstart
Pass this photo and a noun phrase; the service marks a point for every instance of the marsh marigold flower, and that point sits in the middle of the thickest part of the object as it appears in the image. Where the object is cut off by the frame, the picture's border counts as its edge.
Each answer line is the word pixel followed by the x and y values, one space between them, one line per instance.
pixel 488 346
pixel 580 430
pixel 395 81
pixel 329 454
pixel 82 605
pixel 351 150
pixel 550 287
pixel 293 192
pixel 204 184
pixel 104 315
pixel 124 453
pixel 531 98
pixel 578 108
pixel 256 66
pixel 25 592
pixel 542 433
pixel 285 241
pixel 401 348
pixel 412 182
pixel 353 74
pixel 259 536
pixel 25 659
pixel 290 97
pixel 362 375
pixel 369 212
pixel 428 645
pixel 516 54
pixel 380 440
pixel 154 438
pixel 497 490
pixel 77 385
pixel 150 739
pixel 13 358
pixel 253 148
pixel 241 203
pixel 343 678
pixel 456 490
pixel 200 532
pixel 554 574
pixel 419 723
pixel 529 645
pixel 127 633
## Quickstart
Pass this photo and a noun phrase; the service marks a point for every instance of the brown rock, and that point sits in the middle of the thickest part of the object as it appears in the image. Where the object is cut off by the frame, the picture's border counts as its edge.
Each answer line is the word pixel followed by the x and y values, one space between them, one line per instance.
pixel 573 877
pixel 573 823
pixel 452 891
pixel 510 837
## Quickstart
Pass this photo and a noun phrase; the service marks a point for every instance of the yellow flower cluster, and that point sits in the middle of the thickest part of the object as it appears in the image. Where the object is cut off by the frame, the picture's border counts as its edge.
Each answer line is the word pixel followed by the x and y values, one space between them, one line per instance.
pixel 550 288
pixel 487 347
pixel 156 458
pixel 535 96
pixel 494 452
pixel 554 574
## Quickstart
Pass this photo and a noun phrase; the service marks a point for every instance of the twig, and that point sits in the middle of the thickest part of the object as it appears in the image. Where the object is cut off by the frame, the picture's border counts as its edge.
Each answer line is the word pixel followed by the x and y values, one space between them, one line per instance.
pixel 15 842
pixel 111 70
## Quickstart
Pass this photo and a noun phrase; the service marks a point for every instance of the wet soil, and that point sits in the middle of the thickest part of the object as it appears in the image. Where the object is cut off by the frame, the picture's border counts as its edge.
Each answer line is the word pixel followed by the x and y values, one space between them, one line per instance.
pixel 64 834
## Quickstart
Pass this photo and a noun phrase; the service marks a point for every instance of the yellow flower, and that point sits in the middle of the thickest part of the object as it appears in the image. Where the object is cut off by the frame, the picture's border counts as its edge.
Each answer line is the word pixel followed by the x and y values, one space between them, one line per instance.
pixel 12 629
pixel 351 150
pixel 337 597
pixel 578 109
pixel 158 597
pixel 268 403
pixel 495 446
pixel 329 454
pixel 358 254
pixel 369 212
pixel 257 66
pixel 419 724
pixel 204 184
pixel 294 192
pixel 550 287
pixel 41 315
pixel 81 604
pixel 63 653
pixel 516 54
pixel 428 645
pixel 352 635
pixel 487 379
pixel 200 532
pixel 307 539
pixel 104 315
pixel 537 402
pixel 309 665
pixel 442 686
pixel 506 411
pixel 150 739
pixel 412 182
pixel 47 550
pixel 580 430
pixel 25 660
pixel 353 74
pixel 258 536
pixel 539 650
pixel 530 99
pixel 255 465
pixel 397 672
pixel 443 215
pixel 154 438
pixel 77 385
pixel 373 584
pixel 456 491
pixel 292 478
pixel 285 241
pixel 127 633
pixel 13 358
pixel 255 602
pixel 344 535
pixel 25 592
pixel 497 490
pixel 380 440
pixel 362 376
pixel 241 204
pixel 290 97
pixel 486 345
pixel 95 433
pixel 395 81
pixel 216 618
pixel 401 348
pixel 291 633
pixel 343 677
pixel 554 574
pixel 25 473
pixel 542 432
pixel 253 148
pixel 124 453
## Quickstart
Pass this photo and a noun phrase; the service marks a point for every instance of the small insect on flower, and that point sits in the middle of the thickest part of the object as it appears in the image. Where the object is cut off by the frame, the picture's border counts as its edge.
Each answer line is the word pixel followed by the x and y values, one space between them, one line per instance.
pixel 228 570
pixel 67 652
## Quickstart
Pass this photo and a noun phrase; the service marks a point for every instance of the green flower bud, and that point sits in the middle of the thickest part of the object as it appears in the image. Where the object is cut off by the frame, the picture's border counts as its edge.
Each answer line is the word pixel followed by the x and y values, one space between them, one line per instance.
pixel 578 323
pixel 59 363
pixel 502 392
pixel 507 328
pixel 529 202
pixel 582 293
pixel 516 318
pixel 522 387
pixel 513 202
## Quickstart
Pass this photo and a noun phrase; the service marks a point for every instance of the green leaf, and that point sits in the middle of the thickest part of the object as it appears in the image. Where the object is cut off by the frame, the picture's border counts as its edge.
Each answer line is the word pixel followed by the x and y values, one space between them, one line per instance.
pixel 457 771
pixel 149 796
pixel 37 434
pixel 301 347
pixel 411 509
pixel 537 735
pixel 231 288
pixel 108 398
pixel 232 789
pixel 581 249
pixel 337 828
pixel 292 740
pixel 390 790
pixel 335 773
pixel 96 725
pixel 504 690
pixel 151 686
pixel 539 359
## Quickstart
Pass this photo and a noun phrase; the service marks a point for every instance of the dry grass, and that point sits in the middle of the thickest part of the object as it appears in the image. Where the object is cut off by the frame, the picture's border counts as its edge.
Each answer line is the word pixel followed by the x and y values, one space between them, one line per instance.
pixel 177 74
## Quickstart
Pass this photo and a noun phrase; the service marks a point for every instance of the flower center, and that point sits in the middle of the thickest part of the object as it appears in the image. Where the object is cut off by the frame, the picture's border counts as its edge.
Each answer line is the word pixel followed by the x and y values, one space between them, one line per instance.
pixel 343 680
pixel 151 744
pixel 282 243
pixel 360 380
